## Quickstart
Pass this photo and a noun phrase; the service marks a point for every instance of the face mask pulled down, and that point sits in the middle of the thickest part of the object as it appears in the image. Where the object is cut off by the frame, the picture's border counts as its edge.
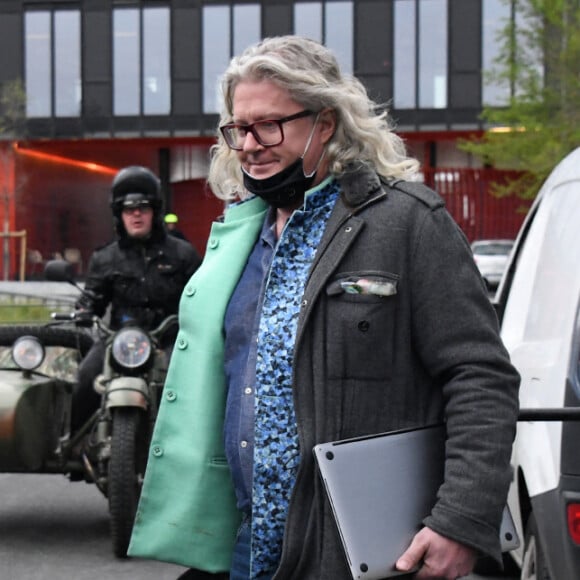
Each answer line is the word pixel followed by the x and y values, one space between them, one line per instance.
pixel 287 187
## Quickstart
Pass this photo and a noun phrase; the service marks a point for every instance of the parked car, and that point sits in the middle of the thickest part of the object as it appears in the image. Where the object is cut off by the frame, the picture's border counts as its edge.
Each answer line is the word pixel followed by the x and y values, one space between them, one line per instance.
pixel 491 257
pixel 538 303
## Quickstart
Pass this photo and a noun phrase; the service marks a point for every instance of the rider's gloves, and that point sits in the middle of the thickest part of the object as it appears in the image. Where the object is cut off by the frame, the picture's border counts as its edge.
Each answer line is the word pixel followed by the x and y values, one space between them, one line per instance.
pixel 83 317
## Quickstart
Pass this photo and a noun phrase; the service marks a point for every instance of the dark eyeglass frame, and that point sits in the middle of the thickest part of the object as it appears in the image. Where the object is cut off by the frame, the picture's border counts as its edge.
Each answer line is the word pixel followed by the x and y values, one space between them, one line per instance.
pixel 250 128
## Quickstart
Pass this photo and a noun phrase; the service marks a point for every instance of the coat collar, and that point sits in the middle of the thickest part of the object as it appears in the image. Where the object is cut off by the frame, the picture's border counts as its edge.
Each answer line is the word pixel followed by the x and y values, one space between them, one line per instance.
pixel 360 186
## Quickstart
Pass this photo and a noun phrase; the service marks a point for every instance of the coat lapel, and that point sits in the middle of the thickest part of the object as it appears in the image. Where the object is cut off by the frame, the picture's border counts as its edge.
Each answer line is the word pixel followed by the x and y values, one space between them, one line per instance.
pixel 358 190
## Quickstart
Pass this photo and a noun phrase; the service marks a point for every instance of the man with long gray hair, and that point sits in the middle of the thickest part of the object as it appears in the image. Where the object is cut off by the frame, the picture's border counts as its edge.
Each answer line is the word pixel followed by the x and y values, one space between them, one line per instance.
pixel 337 299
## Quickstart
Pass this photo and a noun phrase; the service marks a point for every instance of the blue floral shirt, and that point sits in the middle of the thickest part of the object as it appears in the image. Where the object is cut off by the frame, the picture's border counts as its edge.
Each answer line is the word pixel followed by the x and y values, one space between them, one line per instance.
pixel 276 448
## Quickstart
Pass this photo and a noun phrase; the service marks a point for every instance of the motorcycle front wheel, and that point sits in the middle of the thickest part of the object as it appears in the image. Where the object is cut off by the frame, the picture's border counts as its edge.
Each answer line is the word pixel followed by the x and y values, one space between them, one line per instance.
pixel 129 449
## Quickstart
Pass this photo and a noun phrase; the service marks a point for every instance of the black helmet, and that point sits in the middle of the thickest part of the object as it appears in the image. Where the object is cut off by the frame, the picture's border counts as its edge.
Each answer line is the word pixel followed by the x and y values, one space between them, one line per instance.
pixel 136 185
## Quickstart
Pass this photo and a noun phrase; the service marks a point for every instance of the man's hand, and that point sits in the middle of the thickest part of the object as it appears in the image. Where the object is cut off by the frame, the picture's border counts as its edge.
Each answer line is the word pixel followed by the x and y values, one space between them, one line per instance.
pixel 436 556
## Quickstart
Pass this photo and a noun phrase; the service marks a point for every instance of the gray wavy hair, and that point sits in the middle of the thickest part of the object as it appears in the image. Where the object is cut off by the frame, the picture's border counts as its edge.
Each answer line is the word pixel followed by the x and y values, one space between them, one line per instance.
pixel 311 75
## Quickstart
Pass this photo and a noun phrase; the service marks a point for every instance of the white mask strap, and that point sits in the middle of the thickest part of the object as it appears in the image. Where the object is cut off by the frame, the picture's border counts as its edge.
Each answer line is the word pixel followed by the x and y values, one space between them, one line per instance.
pixel 308 145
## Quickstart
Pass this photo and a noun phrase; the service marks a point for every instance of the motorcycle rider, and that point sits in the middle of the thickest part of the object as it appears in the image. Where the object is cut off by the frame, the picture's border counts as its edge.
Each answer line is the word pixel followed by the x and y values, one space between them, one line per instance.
pixel 140 275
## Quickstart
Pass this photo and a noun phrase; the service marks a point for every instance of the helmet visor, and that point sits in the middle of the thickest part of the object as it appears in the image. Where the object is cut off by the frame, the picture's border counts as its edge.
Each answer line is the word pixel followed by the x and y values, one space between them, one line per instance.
pixel 135 201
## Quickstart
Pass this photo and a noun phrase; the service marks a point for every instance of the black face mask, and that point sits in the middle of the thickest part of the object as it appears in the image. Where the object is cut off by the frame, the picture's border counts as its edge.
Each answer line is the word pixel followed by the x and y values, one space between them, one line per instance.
pixel 285 189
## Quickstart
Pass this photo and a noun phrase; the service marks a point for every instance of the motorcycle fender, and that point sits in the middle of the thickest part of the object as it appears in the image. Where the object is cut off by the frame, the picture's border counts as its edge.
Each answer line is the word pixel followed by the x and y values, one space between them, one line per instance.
pixel 31 413
pixel 127 392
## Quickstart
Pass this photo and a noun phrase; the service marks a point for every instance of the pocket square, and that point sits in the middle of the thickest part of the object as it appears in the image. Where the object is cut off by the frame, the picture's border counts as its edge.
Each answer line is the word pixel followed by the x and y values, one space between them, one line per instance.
pixel 366 286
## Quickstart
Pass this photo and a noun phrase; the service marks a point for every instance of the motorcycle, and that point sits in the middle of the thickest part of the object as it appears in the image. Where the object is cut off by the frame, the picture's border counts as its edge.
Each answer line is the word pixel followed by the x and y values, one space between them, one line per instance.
pixel 38 367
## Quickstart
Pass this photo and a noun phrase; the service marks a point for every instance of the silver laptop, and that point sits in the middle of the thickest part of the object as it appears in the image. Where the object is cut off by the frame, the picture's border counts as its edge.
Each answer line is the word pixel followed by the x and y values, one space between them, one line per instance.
pixel 380 488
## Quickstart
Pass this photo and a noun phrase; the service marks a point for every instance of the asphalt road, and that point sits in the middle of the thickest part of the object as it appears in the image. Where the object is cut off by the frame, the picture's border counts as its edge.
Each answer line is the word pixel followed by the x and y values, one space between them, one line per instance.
pixel 52 529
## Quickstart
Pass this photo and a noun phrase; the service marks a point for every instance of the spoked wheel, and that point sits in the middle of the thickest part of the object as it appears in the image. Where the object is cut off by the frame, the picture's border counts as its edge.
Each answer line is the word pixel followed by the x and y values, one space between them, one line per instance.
pixel 534 563
pixel 129 448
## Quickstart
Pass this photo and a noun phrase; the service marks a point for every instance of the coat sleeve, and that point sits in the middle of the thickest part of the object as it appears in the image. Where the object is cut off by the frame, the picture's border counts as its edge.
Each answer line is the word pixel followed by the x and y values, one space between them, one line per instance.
pixel 98 288
pixel 456 333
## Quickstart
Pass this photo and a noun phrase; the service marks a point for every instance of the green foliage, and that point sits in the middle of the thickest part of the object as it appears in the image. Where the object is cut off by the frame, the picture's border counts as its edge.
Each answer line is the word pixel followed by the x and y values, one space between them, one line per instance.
pixel 22 313
pixel 12 108
pixel 539 67
pixel 21 308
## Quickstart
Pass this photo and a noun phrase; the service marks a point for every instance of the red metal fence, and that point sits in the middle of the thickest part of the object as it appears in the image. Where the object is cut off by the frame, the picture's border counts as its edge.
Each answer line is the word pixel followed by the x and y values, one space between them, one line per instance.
pixel 468 197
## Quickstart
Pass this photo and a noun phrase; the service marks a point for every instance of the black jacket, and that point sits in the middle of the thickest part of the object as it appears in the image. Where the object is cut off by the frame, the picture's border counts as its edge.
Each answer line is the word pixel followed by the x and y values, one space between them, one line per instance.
pixel 141 280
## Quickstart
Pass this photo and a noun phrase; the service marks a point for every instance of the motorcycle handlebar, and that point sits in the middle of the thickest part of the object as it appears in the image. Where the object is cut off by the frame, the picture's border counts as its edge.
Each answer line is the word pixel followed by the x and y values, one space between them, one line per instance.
pixel 165 324
pixel 62 316
pixel 84 319
pixel 80 318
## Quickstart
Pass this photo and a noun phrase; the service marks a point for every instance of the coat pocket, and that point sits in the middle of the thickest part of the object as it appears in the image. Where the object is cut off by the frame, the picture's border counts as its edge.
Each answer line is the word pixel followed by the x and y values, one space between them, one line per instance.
pixel 361 309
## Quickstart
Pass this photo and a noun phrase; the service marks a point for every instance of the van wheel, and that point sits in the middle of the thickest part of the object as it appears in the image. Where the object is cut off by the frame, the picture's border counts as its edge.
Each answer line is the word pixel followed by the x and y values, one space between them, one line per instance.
pixel 533 563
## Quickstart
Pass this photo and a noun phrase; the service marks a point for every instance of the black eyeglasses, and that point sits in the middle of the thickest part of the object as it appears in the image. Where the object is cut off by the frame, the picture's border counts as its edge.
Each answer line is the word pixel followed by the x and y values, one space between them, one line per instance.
pixel 267 133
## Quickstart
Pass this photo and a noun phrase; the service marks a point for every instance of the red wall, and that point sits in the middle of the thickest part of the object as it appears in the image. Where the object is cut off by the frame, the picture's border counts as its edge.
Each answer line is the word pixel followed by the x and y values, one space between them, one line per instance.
pixel 61 207
pixel 196 207
pixel 62 201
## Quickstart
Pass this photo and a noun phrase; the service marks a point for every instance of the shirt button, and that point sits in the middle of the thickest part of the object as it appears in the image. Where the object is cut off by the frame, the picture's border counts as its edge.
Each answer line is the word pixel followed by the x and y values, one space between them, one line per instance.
pixel 181 343
pixel 189 290
pixel 171 396
pixel 213 243
pixel 243 444
pixel 157 451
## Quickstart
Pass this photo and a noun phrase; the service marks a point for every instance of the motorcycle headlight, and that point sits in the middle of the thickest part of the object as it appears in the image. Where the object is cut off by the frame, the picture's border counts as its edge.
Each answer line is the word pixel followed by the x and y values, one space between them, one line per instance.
pixel 131 348
pixel 28 352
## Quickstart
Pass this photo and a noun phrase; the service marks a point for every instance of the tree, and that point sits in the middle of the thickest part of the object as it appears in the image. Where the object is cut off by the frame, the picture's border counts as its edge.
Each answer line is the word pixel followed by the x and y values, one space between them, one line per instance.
pixel 12 109
pixel 12 122
pixel 540 68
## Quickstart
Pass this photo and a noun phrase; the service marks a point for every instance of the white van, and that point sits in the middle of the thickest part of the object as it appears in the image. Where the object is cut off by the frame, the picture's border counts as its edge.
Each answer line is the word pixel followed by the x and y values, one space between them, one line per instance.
pixel 538 303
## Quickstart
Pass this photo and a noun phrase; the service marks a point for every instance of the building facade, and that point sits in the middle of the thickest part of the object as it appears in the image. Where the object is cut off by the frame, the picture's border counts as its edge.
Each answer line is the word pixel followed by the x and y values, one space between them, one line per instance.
pixel 110 83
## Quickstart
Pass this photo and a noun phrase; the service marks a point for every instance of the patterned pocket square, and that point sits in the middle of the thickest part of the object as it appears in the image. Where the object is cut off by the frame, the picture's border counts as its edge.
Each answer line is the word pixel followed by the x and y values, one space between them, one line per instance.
pixel 366 286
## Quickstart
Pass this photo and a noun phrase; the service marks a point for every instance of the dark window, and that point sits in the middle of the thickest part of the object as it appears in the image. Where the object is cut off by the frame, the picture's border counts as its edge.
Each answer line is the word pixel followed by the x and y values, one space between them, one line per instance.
pixel 330 23
pixel 141 89
pixel 53 63
pixel 420 54
pixel 227 31
pixel 496 14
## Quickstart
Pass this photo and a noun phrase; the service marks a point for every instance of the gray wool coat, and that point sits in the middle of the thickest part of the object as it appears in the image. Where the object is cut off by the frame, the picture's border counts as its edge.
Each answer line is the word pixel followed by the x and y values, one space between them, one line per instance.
pixel 367 364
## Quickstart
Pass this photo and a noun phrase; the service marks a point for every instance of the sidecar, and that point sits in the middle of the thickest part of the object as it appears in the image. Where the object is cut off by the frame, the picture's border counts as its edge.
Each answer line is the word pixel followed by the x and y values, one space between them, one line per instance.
pixel 38 365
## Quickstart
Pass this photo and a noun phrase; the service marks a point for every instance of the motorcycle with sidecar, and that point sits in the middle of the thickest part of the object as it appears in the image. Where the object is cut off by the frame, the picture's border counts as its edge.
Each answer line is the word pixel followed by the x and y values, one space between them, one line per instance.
pixel 38 370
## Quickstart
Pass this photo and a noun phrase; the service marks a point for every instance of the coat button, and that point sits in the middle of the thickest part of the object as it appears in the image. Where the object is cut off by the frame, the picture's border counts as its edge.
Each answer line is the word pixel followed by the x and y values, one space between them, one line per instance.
pixel 181 343
pixel 363 325
pixel 157 450
pixel 348 229
pixel 189 291
pixel 171 396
